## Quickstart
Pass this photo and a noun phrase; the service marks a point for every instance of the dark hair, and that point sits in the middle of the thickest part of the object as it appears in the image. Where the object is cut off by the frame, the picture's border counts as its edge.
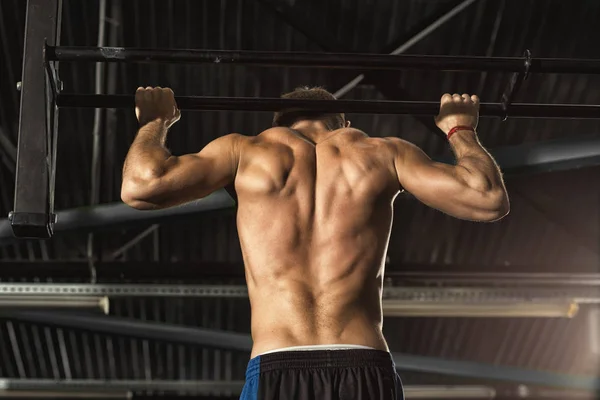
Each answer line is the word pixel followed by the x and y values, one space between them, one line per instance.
pixel 291 116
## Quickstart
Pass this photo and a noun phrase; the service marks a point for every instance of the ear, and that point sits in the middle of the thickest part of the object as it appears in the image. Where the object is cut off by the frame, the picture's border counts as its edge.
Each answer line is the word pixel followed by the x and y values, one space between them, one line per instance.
pixel 348 124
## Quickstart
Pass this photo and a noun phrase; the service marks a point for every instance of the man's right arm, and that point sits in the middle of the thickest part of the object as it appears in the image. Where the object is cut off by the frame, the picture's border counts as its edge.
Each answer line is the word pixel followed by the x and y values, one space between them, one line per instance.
pixel 473 188
pixel 153 178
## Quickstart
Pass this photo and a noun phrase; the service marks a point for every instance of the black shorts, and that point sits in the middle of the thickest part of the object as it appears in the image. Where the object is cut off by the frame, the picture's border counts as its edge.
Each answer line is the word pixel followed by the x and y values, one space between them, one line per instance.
pixel 355 374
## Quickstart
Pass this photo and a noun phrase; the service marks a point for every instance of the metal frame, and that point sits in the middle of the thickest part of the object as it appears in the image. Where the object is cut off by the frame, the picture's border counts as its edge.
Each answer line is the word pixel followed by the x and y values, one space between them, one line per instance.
pixel 33 215
pixel 34 186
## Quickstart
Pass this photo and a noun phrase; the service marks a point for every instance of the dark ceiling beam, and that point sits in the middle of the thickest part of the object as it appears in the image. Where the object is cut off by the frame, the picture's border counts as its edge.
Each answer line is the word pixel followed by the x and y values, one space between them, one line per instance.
pixel 119 214
pixel 232 272
pixel 494 372
pixel 553 155
pixel 243 342
pixel 136 328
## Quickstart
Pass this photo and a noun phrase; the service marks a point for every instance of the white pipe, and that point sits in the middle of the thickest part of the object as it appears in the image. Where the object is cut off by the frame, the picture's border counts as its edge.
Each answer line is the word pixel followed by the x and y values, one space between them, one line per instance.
pixel 63 302
pixel 402 308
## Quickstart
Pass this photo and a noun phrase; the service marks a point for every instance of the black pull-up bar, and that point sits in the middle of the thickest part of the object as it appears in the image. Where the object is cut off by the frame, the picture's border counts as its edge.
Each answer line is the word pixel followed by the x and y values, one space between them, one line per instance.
pixel 323 60
pixel 349 106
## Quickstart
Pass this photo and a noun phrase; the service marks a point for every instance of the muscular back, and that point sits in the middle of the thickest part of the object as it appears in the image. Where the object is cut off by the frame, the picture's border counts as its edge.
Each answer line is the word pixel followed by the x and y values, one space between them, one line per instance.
pixel 314 223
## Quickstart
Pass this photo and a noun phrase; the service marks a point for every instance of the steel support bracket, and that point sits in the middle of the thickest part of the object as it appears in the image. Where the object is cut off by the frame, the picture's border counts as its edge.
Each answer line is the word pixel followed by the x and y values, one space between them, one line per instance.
pixel 515 83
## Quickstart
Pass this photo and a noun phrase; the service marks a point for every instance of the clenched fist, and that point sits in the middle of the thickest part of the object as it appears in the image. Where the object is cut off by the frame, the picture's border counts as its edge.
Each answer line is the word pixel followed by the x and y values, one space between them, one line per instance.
pixel 157 103
pixel 457 110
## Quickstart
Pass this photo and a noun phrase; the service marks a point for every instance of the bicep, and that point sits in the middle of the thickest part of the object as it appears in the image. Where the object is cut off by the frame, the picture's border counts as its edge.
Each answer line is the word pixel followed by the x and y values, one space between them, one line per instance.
pixel 193 176
pixel 210 169
pixel 438 185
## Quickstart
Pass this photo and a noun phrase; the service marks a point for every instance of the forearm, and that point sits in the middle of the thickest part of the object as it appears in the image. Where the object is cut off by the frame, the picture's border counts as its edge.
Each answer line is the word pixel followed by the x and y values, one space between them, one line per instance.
pixel 474 165
pixel 147 155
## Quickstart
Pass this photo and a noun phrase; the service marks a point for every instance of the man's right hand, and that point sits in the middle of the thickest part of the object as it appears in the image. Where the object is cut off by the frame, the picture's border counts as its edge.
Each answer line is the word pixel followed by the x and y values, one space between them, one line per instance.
pixel 152 104
pixel 457 110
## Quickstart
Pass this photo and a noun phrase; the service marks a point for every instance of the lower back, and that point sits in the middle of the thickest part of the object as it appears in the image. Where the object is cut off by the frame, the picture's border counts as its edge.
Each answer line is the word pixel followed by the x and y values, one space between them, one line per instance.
pixel 294 311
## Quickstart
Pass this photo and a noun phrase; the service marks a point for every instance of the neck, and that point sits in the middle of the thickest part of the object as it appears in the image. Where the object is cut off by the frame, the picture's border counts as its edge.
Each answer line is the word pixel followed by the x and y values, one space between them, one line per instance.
pixel 314 130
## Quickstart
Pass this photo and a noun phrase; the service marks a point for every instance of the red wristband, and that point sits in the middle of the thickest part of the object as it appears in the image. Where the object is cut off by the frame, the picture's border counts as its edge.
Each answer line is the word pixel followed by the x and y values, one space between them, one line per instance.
pixel 460 128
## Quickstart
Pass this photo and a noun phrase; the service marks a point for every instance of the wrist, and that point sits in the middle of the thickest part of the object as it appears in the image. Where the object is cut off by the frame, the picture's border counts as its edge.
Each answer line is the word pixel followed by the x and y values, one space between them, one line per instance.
pixel 460 128
pixel 157 122
pixel 153 131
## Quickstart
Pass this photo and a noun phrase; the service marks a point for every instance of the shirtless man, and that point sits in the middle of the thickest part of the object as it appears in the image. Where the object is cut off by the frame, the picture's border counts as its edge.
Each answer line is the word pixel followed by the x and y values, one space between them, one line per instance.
pixel 314 219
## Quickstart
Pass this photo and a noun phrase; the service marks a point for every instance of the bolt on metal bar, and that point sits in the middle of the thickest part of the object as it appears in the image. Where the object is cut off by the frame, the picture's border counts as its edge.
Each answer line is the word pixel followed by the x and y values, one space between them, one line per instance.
pixel 430 108
pixel 354 61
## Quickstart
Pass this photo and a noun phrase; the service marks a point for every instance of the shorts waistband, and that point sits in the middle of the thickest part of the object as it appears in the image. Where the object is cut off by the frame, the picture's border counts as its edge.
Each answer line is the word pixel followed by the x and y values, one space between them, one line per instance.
pixel 319 359
pixel 319 347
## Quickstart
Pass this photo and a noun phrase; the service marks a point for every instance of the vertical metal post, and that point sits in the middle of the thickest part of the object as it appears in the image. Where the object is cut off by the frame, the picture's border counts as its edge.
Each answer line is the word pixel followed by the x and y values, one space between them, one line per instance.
pixel 34 181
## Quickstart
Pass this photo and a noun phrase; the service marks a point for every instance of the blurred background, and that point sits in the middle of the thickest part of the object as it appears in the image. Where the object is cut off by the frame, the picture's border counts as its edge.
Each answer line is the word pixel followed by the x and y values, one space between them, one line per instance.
pixel 505 310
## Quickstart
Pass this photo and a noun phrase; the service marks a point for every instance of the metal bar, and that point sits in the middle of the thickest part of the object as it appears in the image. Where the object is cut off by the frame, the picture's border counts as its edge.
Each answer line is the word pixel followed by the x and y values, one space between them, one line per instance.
pixel 493 372
pixel 410 42
pixel 105 215
pixel 493 309
pixel 125 290
pixel 430 108
pixel 352 61
pixel 33 191
pixel 394 297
